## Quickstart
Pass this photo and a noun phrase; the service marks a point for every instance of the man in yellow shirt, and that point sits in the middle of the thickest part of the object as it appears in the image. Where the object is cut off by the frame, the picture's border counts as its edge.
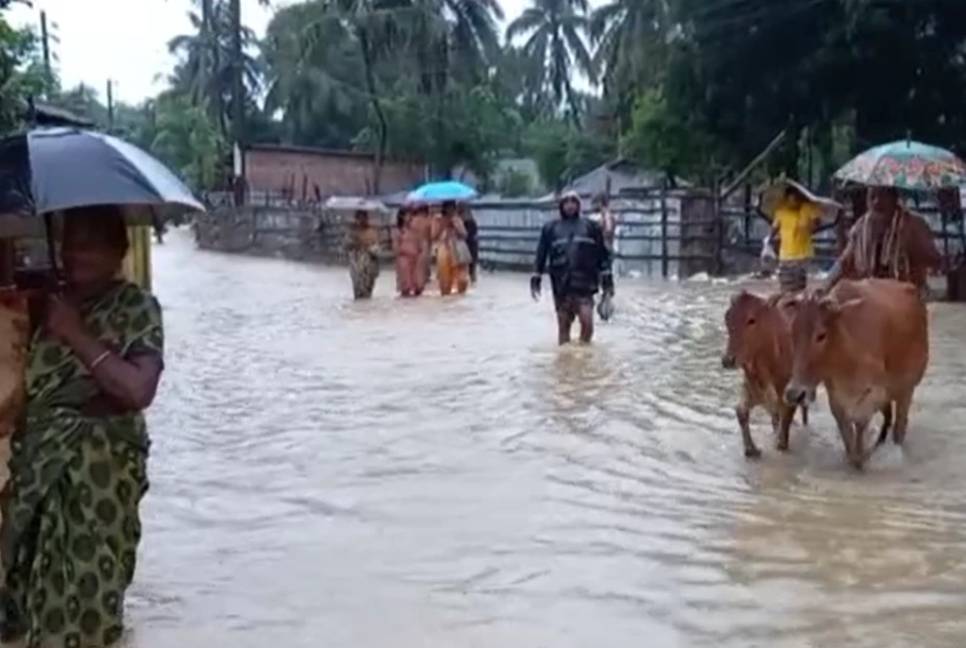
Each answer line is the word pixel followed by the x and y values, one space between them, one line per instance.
pixel 795 223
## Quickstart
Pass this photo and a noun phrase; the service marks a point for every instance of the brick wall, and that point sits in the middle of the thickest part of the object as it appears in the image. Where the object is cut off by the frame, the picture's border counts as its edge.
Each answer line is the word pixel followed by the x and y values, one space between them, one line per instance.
pixel 277 170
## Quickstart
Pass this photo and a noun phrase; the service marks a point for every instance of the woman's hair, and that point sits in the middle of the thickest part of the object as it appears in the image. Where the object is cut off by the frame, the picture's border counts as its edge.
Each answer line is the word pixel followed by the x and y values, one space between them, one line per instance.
pixel 401 217
pixel 101 223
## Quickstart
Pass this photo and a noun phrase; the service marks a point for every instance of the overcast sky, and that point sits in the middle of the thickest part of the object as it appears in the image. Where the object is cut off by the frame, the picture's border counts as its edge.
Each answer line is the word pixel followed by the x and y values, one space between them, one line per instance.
pixel 126 40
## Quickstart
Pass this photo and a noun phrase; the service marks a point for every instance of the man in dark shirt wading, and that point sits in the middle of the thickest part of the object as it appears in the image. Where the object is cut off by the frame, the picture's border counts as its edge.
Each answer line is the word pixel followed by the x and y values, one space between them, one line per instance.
pixel 573 253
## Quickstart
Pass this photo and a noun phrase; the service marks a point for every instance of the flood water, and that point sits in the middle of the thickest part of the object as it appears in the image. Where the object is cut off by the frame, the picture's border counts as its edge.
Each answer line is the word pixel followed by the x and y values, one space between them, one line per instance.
pixel 438 473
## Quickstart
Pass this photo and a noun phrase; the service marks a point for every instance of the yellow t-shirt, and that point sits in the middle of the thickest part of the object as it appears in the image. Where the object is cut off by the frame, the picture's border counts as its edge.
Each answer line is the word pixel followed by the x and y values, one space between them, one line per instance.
pixel 795 229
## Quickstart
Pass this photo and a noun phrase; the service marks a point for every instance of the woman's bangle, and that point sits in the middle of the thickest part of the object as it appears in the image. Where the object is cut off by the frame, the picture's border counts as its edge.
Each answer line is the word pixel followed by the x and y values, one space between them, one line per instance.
pixel 100 360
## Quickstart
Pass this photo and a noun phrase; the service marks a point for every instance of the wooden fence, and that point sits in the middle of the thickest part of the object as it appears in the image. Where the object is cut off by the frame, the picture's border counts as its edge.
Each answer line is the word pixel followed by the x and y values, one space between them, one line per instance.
pixel 660 233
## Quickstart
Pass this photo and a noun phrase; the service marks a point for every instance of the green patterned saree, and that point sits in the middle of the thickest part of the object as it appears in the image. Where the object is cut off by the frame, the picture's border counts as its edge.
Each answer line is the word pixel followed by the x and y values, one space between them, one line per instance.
pixel 70 528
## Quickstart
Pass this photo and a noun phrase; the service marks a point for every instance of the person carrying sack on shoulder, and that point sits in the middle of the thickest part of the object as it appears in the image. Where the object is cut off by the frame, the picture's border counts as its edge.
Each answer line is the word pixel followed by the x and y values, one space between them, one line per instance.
pixel 796 219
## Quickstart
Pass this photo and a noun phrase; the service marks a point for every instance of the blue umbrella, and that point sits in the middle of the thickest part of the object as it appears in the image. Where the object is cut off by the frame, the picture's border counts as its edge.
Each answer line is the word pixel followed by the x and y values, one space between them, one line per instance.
pixel 435 192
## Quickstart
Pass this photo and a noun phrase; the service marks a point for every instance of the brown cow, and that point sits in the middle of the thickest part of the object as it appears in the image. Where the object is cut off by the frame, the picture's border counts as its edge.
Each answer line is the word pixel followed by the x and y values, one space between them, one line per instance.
pixel 759 341
pixel 868 343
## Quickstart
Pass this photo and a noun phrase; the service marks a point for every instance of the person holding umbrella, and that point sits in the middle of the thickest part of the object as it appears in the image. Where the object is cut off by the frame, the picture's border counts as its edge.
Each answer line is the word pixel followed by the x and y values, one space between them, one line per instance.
pixel 71 524
pixel 889 241
pixel 573 251
pixel 78 468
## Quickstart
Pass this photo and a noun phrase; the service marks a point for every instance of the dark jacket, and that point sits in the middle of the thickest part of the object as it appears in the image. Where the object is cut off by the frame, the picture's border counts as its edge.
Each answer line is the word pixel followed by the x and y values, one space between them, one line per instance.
pixel 573 253
pixel 472 237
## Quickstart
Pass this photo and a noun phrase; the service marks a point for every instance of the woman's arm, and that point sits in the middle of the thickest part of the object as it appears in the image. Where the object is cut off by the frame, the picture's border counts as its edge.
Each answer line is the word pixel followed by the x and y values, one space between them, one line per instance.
pixel 459 227
pixel 133 381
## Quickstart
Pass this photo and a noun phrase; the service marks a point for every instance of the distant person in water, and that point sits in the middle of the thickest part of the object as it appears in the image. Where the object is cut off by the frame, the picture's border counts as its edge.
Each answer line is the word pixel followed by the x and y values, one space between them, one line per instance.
pixel 410 251
pixel 608 222
pixel 159 228
pixel 472 239
pixel 573 252
pixel 362 246
pixel 422 223
pixel 453 256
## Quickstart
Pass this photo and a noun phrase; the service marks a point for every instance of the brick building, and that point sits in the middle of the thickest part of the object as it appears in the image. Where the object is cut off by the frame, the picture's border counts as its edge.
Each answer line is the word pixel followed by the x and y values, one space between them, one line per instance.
pixel 311 174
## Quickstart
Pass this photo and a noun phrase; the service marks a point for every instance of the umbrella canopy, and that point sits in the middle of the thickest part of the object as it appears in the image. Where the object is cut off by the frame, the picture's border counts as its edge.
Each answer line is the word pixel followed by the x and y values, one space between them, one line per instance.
pixel 353 204
pixel 436 192
pixel 774 194
pixel 905 165
pixel 50 170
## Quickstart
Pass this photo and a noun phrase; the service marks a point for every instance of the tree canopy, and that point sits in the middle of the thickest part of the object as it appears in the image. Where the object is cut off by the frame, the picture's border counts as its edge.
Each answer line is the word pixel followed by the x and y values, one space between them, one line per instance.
pixel 693 87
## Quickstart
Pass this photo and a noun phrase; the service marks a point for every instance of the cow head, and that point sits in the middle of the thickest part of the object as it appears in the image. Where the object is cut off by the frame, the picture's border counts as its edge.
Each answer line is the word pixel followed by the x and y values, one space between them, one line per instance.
pixel 743 321
pixel 814 320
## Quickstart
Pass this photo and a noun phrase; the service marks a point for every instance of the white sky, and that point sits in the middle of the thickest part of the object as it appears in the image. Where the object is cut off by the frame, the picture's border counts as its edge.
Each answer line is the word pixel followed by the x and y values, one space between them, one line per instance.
pixel 126 40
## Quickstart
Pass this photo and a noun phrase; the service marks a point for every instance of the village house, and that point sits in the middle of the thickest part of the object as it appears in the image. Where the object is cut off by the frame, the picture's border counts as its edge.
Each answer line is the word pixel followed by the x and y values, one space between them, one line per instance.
pixel 310 175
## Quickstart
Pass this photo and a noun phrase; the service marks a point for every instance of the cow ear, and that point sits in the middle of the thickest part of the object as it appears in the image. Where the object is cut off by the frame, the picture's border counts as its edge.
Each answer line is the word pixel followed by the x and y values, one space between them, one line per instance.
pixel 738 295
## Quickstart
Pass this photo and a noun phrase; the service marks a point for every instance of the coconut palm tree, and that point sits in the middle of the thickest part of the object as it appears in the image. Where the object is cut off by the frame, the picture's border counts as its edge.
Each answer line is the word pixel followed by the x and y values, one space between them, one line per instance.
pixel 555 31
pixel 313 89
pixel 206 72
pixel 629 38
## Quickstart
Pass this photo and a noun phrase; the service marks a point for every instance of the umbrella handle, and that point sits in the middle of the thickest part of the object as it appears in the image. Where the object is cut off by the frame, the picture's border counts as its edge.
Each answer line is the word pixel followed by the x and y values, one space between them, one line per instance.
pixel 52 249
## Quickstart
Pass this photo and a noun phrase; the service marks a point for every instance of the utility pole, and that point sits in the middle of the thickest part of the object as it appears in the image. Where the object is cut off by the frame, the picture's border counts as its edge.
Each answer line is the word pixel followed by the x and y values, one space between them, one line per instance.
pixel 110 106
pixel 45 40
pixel 237 73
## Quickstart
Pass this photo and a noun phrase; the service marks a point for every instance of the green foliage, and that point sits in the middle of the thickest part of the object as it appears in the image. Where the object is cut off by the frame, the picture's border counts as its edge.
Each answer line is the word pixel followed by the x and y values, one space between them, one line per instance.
pixel 662 138
pixel 563 152
pixel 187 138
pixel 21 74
pixel 515 184
pixel 554 33
pixel 688 86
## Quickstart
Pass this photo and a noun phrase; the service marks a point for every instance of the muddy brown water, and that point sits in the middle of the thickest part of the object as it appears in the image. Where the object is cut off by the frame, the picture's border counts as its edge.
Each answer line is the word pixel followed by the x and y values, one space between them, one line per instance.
pixel 438 473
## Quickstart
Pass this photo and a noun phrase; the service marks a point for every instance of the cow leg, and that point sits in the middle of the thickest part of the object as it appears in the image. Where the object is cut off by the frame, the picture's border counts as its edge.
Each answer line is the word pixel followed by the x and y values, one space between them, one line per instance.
pixel 787 414
pixel 886 423
pixel 743 412
pixel 857 456
pixel 843 424
pixel 805 415
pixel 903 403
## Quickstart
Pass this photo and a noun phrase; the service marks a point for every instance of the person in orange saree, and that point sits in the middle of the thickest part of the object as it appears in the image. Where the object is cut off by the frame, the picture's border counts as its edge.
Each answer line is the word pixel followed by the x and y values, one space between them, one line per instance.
pixel 453 256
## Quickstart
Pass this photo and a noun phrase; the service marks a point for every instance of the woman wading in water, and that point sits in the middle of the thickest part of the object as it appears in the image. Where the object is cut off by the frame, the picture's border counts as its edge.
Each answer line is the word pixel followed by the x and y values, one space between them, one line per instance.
pixel 362 246
pixel 71 522
pixel 453 256
pixel 410 252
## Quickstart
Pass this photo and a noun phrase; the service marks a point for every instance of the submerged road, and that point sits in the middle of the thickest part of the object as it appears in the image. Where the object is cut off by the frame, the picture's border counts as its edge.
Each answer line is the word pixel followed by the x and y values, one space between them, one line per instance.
pixel 437 473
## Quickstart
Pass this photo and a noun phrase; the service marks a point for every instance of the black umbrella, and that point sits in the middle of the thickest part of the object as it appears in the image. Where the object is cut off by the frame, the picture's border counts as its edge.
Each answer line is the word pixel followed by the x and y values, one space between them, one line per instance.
pixel 46 171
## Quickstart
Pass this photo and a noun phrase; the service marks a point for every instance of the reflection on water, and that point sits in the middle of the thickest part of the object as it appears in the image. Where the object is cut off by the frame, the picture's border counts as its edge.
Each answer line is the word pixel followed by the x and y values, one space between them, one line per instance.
pixel 438 473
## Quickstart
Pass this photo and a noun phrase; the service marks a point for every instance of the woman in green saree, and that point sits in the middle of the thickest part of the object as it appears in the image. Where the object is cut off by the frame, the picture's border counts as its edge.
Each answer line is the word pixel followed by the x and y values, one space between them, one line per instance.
pixel 70 526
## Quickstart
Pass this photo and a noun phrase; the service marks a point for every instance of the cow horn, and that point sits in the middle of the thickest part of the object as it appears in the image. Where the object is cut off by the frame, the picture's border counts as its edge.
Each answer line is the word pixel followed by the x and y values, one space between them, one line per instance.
pixel 833 307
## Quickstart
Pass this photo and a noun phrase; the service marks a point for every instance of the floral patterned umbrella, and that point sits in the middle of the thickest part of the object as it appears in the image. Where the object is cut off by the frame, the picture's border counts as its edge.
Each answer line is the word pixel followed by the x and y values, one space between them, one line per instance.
pixel 906 165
